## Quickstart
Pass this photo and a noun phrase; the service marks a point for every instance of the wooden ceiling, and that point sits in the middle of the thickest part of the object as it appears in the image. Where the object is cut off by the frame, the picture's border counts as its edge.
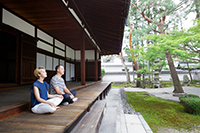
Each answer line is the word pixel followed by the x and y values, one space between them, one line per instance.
pixel 104 19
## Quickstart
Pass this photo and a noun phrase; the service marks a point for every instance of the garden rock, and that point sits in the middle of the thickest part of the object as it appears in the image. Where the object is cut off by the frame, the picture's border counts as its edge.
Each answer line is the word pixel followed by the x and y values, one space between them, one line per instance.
pixel 185 80
pixel 197 75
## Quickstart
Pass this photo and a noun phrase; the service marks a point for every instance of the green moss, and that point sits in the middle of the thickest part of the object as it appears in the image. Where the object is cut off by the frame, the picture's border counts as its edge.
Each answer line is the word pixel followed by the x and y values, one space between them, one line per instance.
pixel 148 85
pixel 123 85
pixel 162 113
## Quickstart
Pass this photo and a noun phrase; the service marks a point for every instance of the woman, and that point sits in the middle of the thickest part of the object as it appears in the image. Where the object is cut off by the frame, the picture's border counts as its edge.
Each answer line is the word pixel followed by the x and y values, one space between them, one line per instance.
pixel 39 94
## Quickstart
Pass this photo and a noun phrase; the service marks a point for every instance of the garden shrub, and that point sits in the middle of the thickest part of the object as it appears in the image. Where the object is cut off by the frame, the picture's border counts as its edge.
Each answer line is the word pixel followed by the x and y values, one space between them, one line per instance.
pixel 103 72
pixel 189 95
pixel 191 103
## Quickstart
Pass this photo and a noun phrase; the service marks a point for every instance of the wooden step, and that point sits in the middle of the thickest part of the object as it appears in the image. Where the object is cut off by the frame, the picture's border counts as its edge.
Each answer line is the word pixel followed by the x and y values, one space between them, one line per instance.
pixel 13 110
pixel 90 123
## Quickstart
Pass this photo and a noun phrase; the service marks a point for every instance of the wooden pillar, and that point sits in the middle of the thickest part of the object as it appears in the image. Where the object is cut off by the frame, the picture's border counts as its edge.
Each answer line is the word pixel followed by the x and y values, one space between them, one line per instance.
pixel 96 66
pixel 83 60
pixel 1 16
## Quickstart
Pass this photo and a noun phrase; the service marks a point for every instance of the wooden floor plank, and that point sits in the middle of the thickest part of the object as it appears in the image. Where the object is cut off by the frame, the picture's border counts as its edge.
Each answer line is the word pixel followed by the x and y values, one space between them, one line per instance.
pixel 29 128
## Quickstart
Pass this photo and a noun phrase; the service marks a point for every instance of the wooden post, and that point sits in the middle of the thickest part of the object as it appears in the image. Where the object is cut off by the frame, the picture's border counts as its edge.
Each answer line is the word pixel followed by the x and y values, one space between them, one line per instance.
pixel 96 66
pixel 83 60
pixel 1 16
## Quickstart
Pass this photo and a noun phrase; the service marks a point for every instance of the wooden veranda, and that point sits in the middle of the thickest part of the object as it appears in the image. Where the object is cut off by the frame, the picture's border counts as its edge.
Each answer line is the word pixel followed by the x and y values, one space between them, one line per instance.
pixel 63 120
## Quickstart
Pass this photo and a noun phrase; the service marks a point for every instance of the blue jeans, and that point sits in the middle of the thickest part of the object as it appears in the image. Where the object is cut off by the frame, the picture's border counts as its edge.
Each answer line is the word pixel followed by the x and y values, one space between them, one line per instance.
pixel 67 97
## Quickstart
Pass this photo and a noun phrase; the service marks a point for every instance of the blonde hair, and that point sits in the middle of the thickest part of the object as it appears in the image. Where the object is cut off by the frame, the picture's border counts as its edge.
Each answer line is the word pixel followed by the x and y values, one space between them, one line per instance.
pixel 38 71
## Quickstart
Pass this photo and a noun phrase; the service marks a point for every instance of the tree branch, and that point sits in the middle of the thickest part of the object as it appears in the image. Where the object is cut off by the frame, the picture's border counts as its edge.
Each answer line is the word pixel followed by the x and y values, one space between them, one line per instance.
pixel 166 27
pixel 142 13
pixel 193 59
pixel 157 31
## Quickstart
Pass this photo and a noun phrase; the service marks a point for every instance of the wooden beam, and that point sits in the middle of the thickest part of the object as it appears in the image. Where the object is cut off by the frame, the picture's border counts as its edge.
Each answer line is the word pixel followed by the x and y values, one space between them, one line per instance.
pixel 96 66
pixel 83 60
pixel 1 15
pixel 113 6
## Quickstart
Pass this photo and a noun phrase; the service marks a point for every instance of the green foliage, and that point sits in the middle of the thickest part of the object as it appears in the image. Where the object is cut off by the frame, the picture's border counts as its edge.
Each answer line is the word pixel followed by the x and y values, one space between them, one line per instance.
pixel 181 44
pixel 166 84
pixel 194 81
pixel 189 95
pixel 191 104
pixel 144 71
pixel 103 72
pixel 162 113
pixel 165 68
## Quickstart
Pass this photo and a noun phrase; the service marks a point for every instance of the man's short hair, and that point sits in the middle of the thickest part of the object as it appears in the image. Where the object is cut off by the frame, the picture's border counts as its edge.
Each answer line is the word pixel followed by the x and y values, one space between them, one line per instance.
pixel 57 67
pixel 38 71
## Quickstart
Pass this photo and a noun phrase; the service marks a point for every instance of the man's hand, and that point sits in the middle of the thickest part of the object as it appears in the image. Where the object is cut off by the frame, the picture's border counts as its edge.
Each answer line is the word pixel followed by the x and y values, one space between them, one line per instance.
pixel 71 96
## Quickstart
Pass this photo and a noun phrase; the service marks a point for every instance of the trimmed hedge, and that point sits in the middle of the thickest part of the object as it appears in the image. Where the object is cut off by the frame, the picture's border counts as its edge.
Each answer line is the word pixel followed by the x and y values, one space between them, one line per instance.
pixel 191 103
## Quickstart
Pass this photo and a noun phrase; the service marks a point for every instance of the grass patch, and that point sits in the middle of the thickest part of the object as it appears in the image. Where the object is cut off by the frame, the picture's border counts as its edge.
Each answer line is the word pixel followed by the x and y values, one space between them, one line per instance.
pixel 123 85
pixel 166 84
pixel 161 113
pixel 148 85
pixel 195 85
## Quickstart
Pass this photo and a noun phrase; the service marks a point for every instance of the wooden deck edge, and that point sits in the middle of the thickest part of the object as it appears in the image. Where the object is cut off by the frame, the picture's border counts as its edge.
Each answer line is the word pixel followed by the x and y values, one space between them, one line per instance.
pixel 100 119
pixel 74 123
pixel 102 96
pixel 92 120
pixel 84 86
pixel 14 110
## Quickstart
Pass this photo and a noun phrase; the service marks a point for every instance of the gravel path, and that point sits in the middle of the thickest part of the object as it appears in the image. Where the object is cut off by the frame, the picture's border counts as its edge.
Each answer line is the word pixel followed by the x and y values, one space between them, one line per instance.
pixel 126 107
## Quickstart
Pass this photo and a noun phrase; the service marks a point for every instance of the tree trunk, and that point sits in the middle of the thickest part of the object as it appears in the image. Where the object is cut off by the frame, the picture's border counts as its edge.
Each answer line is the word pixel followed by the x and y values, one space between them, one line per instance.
pixel 177 86
pixel 133 73
pixel 189 72
pixel 143 81
pixel 134 62
pixel 126 70
pixel 138 82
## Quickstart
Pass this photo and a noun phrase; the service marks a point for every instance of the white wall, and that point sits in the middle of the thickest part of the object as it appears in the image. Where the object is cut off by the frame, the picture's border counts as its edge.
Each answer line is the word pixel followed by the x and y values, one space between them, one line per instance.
pixel 89 54
pixel 42 35
pixel 55 63
pixel 69 52
pixel 67 71
pixel 78 55
pixel 62 62
pixel 40 60
pixel 59 44
pixel 16 22
pixel 59 52
pixel 49 61
pixel 44 46
pixel 72 70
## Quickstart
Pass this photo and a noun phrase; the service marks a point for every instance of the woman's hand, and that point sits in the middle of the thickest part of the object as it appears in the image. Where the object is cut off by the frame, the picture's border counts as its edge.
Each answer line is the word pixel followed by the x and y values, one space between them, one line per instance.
pixel 60 96
pixel 52 104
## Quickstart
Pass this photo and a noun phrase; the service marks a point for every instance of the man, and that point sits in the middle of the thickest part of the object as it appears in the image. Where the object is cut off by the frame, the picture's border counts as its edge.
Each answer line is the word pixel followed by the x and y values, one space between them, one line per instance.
pixel 57 86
